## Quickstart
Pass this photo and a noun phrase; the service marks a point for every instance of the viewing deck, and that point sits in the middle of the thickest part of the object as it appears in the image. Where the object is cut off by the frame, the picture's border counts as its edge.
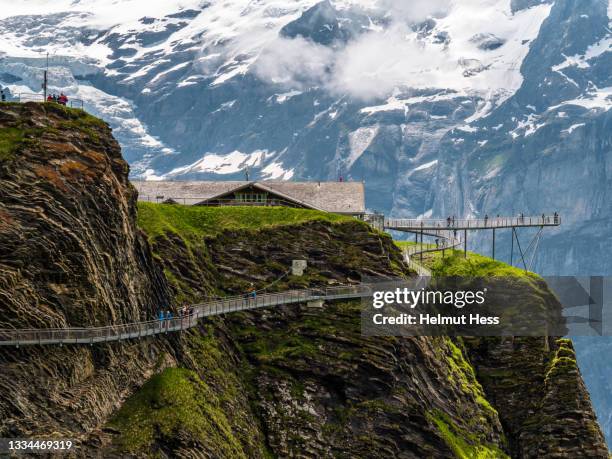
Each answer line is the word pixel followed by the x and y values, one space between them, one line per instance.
pixel 400 224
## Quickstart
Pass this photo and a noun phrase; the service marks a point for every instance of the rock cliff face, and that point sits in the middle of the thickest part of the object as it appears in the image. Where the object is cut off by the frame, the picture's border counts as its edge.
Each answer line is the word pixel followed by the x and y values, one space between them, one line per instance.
pixel 536 386
pixel 70 255
pixel 286 382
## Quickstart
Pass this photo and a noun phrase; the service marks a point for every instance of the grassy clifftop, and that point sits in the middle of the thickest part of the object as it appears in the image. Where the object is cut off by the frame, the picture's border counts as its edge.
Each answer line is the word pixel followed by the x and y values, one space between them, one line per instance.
pixel 453 263
pixel 20 133
pixel 195 222
pixel 476 265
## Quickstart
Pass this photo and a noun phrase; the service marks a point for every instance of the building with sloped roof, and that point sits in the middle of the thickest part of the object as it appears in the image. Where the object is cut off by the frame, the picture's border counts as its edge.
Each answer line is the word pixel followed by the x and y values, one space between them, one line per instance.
pixel 337 197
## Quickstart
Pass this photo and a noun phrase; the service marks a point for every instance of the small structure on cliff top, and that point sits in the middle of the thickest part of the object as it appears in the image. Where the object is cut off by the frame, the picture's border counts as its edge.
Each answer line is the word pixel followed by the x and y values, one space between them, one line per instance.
pixel 337 197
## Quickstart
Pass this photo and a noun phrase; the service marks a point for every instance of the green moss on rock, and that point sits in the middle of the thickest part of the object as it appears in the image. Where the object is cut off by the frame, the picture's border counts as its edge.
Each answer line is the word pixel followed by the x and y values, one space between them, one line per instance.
pixel 462 373
pixel 464 444
pixel 174 403
pixel 12 139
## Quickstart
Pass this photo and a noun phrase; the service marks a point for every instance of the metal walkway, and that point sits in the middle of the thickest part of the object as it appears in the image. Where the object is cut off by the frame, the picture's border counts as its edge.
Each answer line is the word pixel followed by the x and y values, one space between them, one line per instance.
pixel 412 225
pixel 444 230
pixel 447 229
pixel 27 337
pixel 446 241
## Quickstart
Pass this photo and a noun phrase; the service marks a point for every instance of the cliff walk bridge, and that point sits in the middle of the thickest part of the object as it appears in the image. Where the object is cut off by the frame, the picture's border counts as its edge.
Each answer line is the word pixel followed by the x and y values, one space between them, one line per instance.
pixel 445 232
pixel 92 335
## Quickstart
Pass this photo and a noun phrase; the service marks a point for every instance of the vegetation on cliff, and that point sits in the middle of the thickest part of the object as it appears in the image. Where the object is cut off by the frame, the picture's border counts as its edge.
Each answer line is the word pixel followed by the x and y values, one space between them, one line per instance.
pixel 281 382
pixel 291 357
pixel 172 403
pixel 475 265
pixel 197 222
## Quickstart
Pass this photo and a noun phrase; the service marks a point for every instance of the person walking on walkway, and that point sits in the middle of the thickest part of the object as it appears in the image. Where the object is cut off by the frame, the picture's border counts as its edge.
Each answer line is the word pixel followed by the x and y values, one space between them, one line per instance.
pixel 168 318
pixel 486 219
pixel 251 292
pixel 160 315
pixel 448 221
pixel 556 217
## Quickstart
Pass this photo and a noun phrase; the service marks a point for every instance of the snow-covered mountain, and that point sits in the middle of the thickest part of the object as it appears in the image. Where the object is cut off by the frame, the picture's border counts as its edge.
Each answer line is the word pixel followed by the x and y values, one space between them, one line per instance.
pixel 225 85
pixel 442 107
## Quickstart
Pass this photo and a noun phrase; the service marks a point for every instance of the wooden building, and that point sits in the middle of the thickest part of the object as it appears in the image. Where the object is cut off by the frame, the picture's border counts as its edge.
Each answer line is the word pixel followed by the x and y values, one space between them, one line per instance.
pixel 337 197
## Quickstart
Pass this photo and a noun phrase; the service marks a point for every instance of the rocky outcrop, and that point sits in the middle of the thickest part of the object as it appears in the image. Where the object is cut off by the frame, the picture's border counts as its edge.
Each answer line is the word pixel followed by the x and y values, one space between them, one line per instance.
pixel 70 255
pixel 318 388
pixel 286 382
pixel 536 386
pixel 315 386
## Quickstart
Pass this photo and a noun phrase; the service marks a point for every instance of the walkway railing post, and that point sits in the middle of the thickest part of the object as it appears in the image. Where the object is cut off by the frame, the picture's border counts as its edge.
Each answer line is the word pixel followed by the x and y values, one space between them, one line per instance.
pixel 493 244
pixel 464 243
pixel 421 242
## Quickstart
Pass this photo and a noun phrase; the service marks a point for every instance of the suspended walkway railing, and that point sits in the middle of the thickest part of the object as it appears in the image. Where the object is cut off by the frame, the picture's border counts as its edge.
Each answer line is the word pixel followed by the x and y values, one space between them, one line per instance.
pixel 92 335
pixel 448 229
pixel 446 240
pixel 412 225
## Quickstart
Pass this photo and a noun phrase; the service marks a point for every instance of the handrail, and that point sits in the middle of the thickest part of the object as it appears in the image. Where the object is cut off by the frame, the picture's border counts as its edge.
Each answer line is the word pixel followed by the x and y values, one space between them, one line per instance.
pixel 76 103
pixel 30 97
pixel 118 332
pixel 472 223
pixel 448 241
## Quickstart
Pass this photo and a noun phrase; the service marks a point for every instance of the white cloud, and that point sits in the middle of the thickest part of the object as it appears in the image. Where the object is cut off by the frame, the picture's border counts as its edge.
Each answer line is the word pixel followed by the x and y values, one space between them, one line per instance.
pixel 376 63
pixel 415 10
pixel 396 56
pixel 295 62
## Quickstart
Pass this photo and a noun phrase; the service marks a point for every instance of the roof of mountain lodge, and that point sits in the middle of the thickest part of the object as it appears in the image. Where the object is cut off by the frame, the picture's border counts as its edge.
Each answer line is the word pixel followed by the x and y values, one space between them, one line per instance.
pixel 337 197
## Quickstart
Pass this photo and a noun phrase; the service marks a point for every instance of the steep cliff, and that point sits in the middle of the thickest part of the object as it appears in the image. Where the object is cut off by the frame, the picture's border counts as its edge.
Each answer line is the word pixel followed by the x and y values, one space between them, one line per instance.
pixel 315 386
pixel 70 254
pixel 291 381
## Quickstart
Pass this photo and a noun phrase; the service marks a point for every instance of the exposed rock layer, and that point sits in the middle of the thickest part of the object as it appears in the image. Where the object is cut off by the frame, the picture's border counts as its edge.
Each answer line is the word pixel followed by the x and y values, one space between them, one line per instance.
pixel 291 381
pixel 70 255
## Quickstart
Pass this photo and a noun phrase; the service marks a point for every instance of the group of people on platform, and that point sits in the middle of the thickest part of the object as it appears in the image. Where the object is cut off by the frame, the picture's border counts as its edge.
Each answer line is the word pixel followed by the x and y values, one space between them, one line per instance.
pixel 164 318
pixel 187 311
pixel 62 99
